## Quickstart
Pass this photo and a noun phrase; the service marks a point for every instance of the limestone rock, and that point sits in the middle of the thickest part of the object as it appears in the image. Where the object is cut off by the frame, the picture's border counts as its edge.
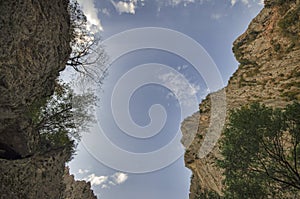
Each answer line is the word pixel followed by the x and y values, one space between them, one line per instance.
pixel 76 189
pixel 34 48
pixel 34 40
pixel 269 72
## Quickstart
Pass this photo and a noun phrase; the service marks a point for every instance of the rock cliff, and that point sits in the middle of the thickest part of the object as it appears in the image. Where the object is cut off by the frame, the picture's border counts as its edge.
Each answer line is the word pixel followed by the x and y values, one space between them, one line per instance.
pixel 34 48
pixel 269 72
pixel 77 189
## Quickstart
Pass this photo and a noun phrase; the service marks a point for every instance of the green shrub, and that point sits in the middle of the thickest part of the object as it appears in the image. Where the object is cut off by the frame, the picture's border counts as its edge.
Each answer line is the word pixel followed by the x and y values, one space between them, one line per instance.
pixel 261 150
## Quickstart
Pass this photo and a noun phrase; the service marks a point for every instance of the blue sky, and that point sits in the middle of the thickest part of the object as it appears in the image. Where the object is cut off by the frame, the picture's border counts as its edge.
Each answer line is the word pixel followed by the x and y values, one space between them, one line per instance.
pixel 173 83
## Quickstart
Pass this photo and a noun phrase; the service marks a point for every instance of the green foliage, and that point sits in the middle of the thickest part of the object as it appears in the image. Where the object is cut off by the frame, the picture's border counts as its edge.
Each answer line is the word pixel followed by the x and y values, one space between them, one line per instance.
pixel 290 95
pixel 277 47
pixel 280 2
pixel 78 29
pixel 33 111
pixel 261 152
pixel 200 136
pixel 290 25
pixel 64 117
pixel 208 195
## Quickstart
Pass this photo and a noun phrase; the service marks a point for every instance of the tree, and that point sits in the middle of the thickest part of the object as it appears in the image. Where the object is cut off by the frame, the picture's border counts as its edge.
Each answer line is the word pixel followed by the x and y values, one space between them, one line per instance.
pixel 88 57
pixel 261 152
pixel 64 117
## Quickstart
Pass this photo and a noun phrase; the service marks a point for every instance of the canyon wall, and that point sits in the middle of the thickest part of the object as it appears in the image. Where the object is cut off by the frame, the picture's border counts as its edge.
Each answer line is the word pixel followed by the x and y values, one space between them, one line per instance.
pixel 34 48
pixel 269 72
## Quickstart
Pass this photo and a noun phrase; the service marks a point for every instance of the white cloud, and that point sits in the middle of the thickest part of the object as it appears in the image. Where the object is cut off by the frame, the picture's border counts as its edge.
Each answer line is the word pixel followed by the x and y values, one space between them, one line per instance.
pixel 96 180
pixel 130 6
pixel 106 181
pixel 180 87
pixel 82 171
pixel 105 11
pixel 91 13
pixel 233 2
pixel 215 16
pixel 174 3
pixel 185 2
pixel 261 2
pixel 119 177
pixel 245 2
pixel 125 7
pixel 111 183
pixel 104 186
pixel 183 67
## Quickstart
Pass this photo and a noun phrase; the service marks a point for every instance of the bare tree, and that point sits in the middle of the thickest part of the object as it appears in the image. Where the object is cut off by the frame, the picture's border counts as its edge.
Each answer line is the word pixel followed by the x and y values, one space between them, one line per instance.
pixel 88 57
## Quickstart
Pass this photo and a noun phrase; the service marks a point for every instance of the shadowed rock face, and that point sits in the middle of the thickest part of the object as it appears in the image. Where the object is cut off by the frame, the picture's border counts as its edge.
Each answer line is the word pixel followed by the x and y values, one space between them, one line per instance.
pixel 38 176
pixel 34 40
pixel 7 152
pixel 34 47
pixel 268 53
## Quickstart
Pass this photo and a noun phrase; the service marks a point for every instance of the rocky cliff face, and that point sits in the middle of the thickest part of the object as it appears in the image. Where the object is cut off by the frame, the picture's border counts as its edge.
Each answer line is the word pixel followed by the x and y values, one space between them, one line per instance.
pixel 269 72
pixel 77 189
pixel 39 176
pixel 34 47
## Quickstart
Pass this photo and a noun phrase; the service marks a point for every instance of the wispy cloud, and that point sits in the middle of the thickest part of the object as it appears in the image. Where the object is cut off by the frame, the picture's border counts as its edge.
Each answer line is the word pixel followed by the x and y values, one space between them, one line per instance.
pixel 105 11
pixel 186 2
pixel 96 180
pixel 261 2
pixel 216 16
pixel 125 7
pixel 248 3
pixel 184 91
pixel 233 2
pixel 130 6
pixel 105 182
pixel 119 177
pixel 183 67
pixel 91 13
pixel 104 186
pixel 82 171
pixel 177 2
pixel 245 2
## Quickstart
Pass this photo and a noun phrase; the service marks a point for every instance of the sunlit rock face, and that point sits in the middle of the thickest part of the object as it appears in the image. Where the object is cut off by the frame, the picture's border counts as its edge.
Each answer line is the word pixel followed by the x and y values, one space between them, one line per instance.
pixel 268 53
pixel 76 189
pixel 34 47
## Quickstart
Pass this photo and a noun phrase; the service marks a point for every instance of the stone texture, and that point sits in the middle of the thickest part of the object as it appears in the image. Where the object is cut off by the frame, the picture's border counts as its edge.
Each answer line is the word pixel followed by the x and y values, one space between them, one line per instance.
pixel 34 47
pixel 39 176
pixel 269 72
pixel 76 189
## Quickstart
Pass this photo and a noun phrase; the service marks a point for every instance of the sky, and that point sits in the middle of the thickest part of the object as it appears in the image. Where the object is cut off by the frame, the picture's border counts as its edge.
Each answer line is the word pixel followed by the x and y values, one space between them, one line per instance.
pixel 165 56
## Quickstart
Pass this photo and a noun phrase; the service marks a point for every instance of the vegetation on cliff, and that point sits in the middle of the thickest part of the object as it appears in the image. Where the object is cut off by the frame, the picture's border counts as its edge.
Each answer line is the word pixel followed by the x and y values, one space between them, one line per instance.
pixel 41 117
pixel 62 118
pixel 261 151
pixel 88 57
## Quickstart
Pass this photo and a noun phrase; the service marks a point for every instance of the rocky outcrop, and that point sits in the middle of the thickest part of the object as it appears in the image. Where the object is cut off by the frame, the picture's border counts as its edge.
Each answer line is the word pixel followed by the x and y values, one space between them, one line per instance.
pixel 34 47
pixel 39 176
pixel 34 38
pixel 268 53
pixel 77 189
